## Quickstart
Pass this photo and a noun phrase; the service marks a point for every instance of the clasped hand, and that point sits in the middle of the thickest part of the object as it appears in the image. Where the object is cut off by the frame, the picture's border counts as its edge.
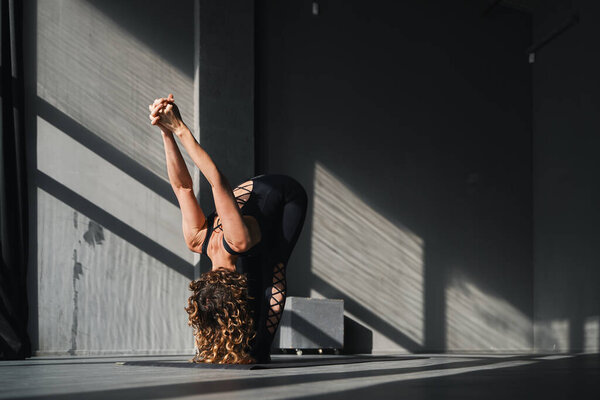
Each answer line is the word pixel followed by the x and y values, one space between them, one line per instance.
pixel 165 114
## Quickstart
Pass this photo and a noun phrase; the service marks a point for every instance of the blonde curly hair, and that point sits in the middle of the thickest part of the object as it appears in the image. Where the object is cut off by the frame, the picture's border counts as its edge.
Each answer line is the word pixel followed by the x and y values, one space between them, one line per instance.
pixel 220 316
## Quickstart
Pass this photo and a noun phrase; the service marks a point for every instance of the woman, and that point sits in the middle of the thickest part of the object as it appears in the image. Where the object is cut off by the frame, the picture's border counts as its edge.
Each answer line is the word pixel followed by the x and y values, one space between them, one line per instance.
pixel 236 307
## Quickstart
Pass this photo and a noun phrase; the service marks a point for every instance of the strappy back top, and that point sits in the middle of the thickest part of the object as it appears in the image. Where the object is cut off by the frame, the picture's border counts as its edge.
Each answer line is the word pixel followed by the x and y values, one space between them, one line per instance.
pixel 248 201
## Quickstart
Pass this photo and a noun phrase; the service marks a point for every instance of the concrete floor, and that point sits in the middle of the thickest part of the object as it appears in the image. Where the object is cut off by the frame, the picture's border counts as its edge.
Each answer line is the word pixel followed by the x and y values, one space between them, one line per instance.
pixel 434 376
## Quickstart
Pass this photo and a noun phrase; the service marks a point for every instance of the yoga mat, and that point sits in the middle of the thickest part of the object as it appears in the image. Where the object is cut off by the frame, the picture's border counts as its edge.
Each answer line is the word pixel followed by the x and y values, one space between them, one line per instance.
pixel 284 363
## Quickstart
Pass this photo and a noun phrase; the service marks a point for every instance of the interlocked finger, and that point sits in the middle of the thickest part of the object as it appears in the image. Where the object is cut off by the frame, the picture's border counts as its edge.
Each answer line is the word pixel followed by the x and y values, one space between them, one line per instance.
pixel 157 108
pixel 153 119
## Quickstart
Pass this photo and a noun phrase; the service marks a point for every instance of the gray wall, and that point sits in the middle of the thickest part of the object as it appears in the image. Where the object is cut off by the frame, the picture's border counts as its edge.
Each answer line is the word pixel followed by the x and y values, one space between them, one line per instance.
pixel 109 269
pixel 226 91
pixel 566 89
pixel 409 123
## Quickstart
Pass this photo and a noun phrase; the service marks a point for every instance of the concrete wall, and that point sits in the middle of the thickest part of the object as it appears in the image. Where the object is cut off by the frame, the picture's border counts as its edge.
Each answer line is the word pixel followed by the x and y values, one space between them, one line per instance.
pixel 566 170
pixel 109 269
pixel 226 91
pixel 409 125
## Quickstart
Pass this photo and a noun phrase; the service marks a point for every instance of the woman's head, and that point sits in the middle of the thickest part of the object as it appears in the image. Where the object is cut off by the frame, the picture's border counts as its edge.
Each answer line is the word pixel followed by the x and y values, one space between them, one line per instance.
pixel 219 313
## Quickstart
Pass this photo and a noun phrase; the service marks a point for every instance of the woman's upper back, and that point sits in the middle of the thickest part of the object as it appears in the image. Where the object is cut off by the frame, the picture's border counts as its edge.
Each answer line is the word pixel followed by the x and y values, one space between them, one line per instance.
pixel 215 244
pixel 260 200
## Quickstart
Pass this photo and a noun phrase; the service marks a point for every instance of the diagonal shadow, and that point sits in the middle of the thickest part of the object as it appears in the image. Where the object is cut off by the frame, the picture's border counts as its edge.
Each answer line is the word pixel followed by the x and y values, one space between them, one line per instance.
pixel 253 382
pixel 114 224
pixel 367 316
pixel 102 148
pixel 558 379
pixel 149 26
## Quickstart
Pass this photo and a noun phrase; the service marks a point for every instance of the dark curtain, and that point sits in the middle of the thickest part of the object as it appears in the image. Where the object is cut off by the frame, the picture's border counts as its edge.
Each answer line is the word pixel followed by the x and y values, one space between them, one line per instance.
pixel 14 341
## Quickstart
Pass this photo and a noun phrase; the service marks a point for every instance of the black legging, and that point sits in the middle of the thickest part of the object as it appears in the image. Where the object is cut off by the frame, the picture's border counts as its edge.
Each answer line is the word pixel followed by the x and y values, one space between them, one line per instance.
pixel 292 220
pixel 287 202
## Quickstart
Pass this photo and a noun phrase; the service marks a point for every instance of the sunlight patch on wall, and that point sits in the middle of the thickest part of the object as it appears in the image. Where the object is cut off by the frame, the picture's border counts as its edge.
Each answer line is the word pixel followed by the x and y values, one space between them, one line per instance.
pixel 591 331
pixel 478 321
pixel 362 254
pixel 98 74
pixel 552 335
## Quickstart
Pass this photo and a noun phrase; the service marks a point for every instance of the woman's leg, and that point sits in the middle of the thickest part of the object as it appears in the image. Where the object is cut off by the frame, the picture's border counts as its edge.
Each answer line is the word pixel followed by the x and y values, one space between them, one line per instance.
pixel 292 220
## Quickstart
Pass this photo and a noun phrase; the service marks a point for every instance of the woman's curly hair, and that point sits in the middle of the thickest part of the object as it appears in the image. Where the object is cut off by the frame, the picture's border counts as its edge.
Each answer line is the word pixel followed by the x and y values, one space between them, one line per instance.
pixel 219 313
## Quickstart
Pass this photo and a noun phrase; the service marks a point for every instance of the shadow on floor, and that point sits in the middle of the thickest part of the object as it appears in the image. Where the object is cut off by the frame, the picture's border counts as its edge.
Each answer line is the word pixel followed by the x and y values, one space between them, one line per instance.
pixel 570 378
pixel 573 377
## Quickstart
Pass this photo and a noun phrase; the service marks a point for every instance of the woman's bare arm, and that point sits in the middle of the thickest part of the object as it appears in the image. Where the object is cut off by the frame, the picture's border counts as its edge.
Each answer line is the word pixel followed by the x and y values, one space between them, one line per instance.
pixel 236 232
pixel 193 220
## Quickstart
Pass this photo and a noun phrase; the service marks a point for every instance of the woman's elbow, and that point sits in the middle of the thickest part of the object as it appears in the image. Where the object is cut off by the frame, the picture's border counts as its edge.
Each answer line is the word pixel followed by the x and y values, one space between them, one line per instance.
pixel 241 246
pixel 195 241
pixel 195 247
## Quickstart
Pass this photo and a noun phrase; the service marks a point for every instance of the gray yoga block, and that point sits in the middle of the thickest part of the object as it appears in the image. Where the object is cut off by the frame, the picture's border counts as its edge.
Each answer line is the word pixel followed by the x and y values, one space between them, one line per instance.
pixel 311 324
